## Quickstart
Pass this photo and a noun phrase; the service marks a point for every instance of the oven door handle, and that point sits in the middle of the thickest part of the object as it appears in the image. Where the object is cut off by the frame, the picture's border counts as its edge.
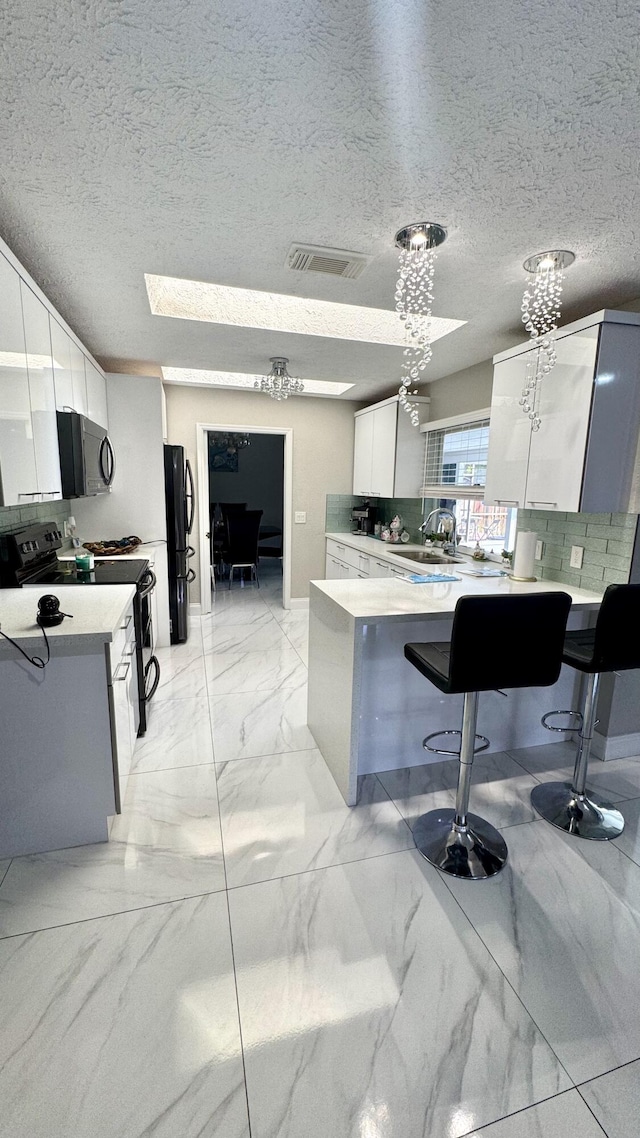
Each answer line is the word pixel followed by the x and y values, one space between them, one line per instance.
pixel 149 582
pixel 154 666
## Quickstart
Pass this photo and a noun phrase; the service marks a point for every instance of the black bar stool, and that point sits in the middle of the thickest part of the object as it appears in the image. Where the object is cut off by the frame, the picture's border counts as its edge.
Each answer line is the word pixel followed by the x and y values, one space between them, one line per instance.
pixel 496 642
pixel 612 646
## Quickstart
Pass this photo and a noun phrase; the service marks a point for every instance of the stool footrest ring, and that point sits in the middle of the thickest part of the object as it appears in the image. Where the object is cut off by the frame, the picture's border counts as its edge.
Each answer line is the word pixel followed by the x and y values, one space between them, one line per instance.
pixel 573 715
pixel 484 743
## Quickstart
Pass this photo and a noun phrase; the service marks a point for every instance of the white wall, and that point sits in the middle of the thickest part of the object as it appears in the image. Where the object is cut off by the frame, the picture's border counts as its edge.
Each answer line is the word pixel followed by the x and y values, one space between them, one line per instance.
pixel 323 432
pixel 136 504
pixel 463 391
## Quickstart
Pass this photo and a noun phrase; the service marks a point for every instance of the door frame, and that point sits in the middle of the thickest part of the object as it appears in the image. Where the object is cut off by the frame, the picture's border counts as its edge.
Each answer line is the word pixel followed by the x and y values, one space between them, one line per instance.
pixel 202 463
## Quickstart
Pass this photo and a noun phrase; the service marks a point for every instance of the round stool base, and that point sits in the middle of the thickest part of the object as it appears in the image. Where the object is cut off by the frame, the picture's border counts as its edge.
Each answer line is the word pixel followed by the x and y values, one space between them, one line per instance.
pixel 475 853
pixel 583 815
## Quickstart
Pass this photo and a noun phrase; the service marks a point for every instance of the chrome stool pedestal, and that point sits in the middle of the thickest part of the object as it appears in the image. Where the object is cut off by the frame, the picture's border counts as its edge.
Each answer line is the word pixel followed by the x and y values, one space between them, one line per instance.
pixel 569 805
pixel 455 841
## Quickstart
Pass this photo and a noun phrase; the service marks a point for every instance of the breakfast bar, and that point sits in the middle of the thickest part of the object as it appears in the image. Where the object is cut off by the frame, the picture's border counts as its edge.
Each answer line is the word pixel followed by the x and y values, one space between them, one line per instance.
pixel 369 710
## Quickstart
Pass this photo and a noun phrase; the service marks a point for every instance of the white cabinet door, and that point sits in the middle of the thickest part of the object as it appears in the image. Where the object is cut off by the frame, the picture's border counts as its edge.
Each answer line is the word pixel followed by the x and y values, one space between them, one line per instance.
pixel 78 379
pixel 96 395
pixel 509 436
pixel 557 452
pixel 61 351
pixel 380 569
pixel 18 477
pixel 41 395
pixel 383 466
pixel 363 454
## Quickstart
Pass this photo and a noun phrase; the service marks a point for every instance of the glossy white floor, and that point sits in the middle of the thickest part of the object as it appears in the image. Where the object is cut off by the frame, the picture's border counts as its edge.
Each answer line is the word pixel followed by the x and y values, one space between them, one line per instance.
pixel 249 957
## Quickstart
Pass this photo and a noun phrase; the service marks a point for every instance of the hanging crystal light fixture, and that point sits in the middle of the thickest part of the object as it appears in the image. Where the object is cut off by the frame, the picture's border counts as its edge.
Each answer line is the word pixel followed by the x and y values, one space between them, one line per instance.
pixel 414 299
pixel 278 383
pixel 541 306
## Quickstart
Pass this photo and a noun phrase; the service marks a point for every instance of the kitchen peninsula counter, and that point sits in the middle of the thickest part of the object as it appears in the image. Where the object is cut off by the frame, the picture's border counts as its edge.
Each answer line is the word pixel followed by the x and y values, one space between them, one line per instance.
pixel 369 709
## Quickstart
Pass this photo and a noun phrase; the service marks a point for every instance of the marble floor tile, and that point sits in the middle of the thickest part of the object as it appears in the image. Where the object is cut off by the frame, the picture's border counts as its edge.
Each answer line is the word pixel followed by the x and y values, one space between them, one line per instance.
pixel 615 1101
pixel 369 1006
pixel 256 614
pixel 220 638
pixel 4 866
pixel 255 671
pixel 617 778
pixel 563 922
pixel 178 735
pixel 557 1117
pixel 500 789
pixel 123 1027
pixel 298 637
pixel 284 814
pixel 292 618
pixel 629 840
pixel 164 846
pixel 182 674
pixel 252 724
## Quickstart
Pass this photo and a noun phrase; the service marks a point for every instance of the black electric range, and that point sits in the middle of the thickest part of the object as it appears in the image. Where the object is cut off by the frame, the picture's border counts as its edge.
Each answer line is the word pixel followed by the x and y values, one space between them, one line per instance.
pixel 28 557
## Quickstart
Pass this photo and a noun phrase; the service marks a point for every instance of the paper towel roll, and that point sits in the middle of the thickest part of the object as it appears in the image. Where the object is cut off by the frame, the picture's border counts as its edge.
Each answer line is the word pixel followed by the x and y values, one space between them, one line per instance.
pixel 524 556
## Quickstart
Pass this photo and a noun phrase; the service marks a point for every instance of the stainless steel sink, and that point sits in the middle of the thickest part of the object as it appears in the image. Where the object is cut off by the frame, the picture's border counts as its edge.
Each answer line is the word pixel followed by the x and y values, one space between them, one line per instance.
pixel 425 557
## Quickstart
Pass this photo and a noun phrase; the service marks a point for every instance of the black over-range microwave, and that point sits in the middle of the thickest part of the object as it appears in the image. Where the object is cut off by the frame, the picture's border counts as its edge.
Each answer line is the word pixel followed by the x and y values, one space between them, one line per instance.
pixel 87 460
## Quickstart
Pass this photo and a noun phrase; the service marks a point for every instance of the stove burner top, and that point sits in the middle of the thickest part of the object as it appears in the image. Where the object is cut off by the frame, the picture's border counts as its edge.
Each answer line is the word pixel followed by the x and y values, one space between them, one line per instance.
pixel 105 573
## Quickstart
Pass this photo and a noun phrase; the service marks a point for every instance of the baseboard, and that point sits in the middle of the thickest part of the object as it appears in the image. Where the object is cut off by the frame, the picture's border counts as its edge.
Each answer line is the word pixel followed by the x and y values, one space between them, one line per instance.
pixel 195 609
pixel 615 746
pixel 299 603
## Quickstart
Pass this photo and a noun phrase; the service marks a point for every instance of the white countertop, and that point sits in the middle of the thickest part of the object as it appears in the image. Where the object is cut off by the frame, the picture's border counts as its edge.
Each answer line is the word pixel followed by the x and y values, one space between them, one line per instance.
pixel 377 599
pixel 97 615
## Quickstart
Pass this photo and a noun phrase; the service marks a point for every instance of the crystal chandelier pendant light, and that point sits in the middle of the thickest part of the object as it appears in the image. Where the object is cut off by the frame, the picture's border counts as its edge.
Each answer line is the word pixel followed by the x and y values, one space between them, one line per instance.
pixel 233 441
pixel 414 300
pixel 541 307
pixel 278 383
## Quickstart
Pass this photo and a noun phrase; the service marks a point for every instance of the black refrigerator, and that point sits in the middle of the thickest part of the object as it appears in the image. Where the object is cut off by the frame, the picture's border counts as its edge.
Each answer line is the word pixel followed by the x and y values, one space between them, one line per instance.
pixel 179 497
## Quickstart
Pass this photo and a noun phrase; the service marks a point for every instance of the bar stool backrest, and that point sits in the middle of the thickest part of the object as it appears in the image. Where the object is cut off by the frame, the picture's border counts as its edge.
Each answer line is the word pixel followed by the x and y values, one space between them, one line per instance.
pixel 617 640
pixel 507 642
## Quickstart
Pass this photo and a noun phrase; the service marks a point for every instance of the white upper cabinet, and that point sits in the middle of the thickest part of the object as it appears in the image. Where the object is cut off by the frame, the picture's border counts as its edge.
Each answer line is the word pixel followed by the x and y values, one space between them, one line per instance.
pixel 509 436
pixel 61 352
pixel 96 394
pixel 387 458
pixel 584 457
pixel 78 379
pixel 41 395
pixel 18 480
pixel 557 450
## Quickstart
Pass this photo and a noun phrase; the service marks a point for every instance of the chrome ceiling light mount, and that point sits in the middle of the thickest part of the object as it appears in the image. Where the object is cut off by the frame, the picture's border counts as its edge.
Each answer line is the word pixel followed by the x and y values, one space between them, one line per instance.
pixel 278 383
pixel 414 300
pixel 541 308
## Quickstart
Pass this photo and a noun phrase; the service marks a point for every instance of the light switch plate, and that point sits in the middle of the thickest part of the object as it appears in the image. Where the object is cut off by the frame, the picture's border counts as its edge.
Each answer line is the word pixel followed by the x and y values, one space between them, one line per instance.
pixel 539 547
pixel 300 517
pixel 577 553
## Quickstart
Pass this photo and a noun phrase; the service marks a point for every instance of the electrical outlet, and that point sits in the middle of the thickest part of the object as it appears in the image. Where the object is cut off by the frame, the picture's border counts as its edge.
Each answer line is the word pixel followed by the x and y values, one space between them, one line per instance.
pixel 539 548
pixel 577 553
pixel 300 517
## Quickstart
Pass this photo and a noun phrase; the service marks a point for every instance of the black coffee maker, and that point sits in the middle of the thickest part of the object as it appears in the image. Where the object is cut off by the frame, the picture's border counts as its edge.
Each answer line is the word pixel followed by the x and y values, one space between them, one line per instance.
pixel 364 518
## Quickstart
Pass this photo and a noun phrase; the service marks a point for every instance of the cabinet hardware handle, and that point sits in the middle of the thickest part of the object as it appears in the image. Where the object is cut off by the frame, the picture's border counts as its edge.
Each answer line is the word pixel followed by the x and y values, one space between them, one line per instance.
pixel 127 621
pixel 126 664
pixel 507 502
pixel 34 494
pixel 132 649
pixel 540 502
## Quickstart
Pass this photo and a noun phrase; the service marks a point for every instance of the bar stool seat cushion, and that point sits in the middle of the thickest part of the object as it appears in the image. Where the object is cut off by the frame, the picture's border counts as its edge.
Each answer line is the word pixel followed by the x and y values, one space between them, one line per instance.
pixel 578 650
pixel 432 660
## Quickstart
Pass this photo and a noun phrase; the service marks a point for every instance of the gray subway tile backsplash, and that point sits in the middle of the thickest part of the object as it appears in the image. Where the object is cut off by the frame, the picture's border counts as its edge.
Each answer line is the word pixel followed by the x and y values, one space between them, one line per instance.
pixel 607 540
pixel 339 506
pixel 12 517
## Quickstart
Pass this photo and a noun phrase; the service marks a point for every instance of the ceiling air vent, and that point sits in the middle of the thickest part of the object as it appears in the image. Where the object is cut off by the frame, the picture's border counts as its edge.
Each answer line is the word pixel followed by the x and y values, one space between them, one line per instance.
pixel 334 262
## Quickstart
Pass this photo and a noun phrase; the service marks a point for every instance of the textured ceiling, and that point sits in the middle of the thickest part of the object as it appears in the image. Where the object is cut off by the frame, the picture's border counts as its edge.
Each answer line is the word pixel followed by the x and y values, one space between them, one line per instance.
pixel 200 139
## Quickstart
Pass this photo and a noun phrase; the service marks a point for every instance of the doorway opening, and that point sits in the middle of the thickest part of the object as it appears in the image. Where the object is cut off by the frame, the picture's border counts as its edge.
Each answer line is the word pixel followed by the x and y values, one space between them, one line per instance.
pixel 244 487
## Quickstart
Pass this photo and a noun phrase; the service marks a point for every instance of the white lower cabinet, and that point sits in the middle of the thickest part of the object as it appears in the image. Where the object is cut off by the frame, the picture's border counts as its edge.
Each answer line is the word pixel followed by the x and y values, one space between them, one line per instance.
pixel 123 701
pixel 344 561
